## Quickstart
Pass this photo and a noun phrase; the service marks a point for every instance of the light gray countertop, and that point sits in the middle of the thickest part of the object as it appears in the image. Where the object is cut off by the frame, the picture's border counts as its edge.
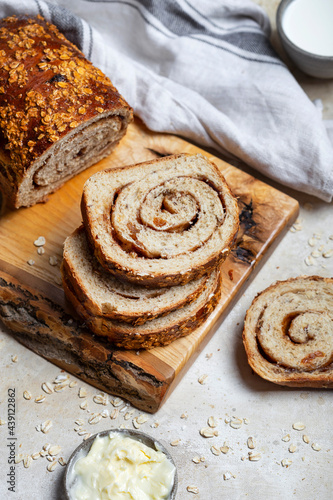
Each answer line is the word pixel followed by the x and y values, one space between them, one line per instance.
pixel 229 390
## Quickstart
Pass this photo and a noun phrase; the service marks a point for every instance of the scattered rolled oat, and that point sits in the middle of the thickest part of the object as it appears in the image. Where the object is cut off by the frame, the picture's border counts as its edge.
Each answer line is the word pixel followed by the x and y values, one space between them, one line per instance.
pixel 227 476
pixel 53 260
pixel 40 241
pixel 328 253
pixel 19 457
pixel 54 450
pixel 105 413
pixel 202 379
pixel 46 426
pixel 193 489
pixel 298 426
pixel 309 260
pixel 128 414
pixel 87 436
pixel 47 387
pixel 117 402
pixel 61 378
pixel 208 432
pixel 94 418
pixel 312 241
pixel 114 414
pixel 82 392
pixel 254 457
pixel 292 448
pixel 306 439
pixel 141 419
pixel 30 262
pixel 212 422
pixel 14 358
pixel 62 386
pixel 36 455
pixel 246 421
pixel 46 447
pixel 154 425
pixel 62 461
pixel 251 443
pixel 286 438
pixel 101 399
pixel 225 448
pixel 209 355
pixel 286 462
pixel 315 447
pixel 40 250
pixel 2 422
pixel 215 450
pixel 184 415
pixel 27 395
pixel 84 405
pixel 236 423
pixel 175 442
pixel 72 384
pixel 196 459
pixel 27 461
pixel 315 254
pixel 40 399
pixel 52 466
pixel 79 421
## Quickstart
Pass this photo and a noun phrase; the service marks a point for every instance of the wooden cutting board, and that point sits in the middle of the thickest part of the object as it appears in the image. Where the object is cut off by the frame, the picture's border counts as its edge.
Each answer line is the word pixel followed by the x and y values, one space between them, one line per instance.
pixel 33 305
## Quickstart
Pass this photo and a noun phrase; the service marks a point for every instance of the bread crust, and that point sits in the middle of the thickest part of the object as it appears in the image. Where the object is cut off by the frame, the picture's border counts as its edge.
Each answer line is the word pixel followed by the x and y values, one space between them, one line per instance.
pixel 49 95
pixel 288 332
pixel 130 259
pixel 158 332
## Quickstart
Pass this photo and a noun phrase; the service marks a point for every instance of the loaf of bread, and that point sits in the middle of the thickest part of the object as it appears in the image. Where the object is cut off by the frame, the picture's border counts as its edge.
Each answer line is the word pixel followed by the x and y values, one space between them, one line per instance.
pixel 58 113
pixel 159 331
pixel 288 332
pixel 160 223
pixel 102 294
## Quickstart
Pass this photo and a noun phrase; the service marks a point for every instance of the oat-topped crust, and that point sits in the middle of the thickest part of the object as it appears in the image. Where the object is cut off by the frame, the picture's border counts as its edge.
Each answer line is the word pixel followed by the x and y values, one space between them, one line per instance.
pixel 47 87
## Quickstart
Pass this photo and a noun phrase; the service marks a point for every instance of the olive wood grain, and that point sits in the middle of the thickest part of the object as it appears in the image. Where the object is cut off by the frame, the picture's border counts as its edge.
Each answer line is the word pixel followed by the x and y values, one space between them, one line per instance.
pixel 33 305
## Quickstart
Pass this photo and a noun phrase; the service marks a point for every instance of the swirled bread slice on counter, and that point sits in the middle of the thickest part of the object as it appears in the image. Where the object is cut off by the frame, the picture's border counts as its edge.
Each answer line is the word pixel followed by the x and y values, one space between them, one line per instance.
pixel 162 222
pixel 104 295
pixel 288 332
pixel 159 331
pixel 58 113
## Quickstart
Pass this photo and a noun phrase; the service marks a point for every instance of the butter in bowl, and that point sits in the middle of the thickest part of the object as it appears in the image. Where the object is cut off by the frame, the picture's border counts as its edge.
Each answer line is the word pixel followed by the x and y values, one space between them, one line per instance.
pixel 120 464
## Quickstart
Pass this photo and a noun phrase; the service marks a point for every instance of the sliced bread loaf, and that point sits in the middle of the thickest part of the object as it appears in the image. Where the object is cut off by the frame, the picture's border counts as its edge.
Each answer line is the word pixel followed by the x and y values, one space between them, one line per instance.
pixel 58 113
pixel 160 331
pixel 104 295
pixel 160 223
pixel 288 332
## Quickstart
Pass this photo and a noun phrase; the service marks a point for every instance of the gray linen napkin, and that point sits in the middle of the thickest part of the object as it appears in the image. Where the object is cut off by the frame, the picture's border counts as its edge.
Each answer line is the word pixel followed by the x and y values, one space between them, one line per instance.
pixel 206 71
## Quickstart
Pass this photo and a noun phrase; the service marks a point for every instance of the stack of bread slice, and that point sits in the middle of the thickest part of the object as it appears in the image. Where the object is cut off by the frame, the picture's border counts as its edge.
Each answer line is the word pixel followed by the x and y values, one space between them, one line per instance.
pixel 144 269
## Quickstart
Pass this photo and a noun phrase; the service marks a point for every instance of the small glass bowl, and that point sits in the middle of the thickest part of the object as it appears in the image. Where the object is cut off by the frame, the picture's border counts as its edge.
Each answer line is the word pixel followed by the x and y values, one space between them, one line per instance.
pixel 83 449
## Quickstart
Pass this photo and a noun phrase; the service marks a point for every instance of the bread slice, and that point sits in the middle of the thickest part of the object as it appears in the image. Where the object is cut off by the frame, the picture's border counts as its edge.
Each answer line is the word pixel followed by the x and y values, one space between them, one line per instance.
pixel 160 331
pixel 288 332
pixel 58 113
pixel 162 222
pixel 104 295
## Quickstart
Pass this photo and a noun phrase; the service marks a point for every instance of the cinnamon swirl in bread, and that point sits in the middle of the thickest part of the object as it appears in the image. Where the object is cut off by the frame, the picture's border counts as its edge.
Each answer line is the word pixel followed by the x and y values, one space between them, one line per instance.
pixel 288 332
pixel 162 222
